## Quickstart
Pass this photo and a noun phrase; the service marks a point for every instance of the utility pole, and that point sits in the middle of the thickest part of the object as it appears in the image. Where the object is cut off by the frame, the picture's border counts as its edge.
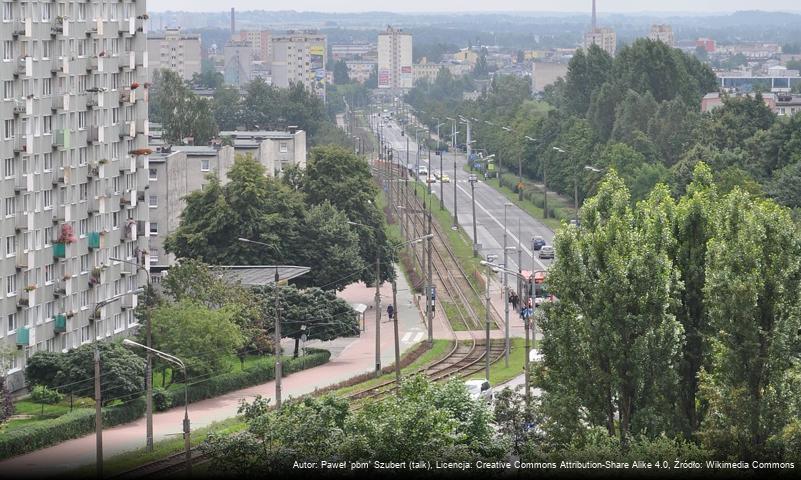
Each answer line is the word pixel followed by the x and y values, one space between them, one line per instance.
pixel 430 292
pixel 505 290
pixel 277 342
pixel 378 313
pixel 473 179
pixel 98 409
pixel 520 262
pixel 528 350
pixel 487 314
pixel 397 341
pixel 520 174
pixel 441 184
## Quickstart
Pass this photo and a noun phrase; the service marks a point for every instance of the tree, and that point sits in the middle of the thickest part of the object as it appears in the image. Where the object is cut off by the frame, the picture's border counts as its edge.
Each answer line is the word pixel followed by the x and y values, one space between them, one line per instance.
pixel 43 368
pixel 341 73
pixel 752 278
pixel 123 372
pixel 336 175
pixel 587 71
pixel 611 336
pixel 208 77
pixel 227 107
pixel 6 404
pixel 318 314
pixel 200 336
pixel 182 113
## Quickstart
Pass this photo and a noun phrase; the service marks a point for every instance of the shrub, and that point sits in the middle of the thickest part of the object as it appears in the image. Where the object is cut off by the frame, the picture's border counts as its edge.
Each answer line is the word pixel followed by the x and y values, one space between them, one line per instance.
pixel 42 394
pixel 162 399
pixel 71 425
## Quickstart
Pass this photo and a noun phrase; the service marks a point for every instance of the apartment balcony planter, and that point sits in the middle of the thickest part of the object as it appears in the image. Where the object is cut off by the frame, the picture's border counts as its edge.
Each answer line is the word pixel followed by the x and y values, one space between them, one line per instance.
pixel 19 28
pixel 60 323
pixel 59 250
pixel 93 240
pixel 23 337
pixel 24 300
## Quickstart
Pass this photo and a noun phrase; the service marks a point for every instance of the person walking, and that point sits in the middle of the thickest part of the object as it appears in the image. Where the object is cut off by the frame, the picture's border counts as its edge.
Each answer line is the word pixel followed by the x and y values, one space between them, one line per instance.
pixel 390 312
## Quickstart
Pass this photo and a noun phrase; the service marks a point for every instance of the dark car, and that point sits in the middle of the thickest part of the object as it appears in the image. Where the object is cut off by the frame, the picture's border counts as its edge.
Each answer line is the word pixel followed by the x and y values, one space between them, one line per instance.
pixel 537 243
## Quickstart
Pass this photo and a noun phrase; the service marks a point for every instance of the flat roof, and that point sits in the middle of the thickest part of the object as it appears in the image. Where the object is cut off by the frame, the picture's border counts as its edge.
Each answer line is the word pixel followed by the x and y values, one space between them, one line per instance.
pixel 253 134
pixel 258 275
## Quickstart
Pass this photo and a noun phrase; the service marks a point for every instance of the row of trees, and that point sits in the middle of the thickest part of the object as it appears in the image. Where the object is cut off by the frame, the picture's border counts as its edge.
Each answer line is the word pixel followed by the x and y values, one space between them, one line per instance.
pixel 184 114
pixel 677 317
pixel 638 113
pixel 304 214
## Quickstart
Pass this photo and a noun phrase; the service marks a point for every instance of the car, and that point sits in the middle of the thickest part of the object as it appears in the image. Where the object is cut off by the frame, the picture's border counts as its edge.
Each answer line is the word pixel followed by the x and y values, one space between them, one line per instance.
pixel 422 171
pixel 480 390
pixel 436 174
pixel 445 178
pixel 546 252
pixel 537 243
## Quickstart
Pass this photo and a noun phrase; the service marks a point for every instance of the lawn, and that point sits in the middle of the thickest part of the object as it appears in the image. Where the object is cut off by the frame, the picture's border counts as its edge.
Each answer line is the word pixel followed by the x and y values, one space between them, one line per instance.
pixel 41 412
pixel 437 351
pixel 230 364
pixel 499 373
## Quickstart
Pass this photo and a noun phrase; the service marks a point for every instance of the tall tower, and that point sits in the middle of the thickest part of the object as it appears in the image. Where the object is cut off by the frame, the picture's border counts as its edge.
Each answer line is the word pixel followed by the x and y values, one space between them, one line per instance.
pixel 233 21
pixel 594 24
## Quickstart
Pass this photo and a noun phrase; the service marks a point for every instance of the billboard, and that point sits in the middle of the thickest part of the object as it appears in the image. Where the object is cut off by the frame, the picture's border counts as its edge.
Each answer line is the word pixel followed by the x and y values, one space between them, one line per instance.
pixel 317 66
pixel 383 78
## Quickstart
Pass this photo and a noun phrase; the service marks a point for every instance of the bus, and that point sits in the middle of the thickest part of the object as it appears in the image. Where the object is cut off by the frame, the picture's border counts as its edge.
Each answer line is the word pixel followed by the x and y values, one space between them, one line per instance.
pixel 537 287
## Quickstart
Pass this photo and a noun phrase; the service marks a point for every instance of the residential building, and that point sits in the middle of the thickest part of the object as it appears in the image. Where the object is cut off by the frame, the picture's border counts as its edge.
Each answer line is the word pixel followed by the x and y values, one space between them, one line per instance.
pixel 662 33
pixel 260 43
pixel 707 44
pixel 175 51
pixel 782 104
pixel 176 171
pixel 360 70
pixel 74 169
pixel 299 57
pixel 429 71
pixel 353 51
pixel 546 73
pixel 777 79
pixel 238 63
pixel 465 55
pixel 395 59
pixel 606 38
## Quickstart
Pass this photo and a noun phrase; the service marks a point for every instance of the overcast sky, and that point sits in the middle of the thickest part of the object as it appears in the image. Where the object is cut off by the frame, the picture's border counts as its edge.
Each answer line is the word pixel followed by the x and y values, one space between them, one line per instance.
pixel 479 5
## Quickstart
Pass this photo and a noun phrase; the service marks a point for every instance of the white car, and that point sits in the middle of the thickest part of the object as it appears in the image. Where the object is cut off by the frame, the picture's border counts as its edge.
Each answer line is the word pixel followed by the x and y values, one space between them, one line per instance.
pixel 480 390
pixel 422 171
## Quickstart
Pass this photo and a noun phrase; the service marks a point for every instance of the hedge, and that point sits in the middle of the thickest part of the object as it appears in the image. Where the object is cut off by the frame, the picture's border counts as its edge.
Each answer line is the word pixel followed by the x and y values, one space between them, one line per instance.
pixel 66 427
pixel 82 421
pixel 228 382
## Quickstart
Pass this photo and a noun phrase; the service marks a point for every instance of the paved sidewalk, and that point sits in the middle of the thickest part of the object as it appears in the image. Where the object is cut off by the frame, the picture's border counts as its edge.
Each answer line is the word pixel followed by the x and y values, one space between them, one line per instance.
pixel 350 357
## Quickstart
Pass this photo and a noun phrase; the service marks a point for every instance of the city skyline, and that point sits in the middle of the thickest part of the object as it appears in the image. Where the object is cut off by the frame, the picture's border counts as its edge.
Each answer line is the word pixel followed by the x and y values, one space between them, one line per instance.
pixel 449 6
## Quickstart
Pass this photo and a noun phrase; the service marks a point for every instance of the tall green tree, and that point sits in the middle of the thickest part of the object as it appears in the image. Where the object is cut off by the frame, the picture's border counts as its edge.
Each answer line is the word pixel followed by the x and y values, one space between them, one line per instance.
pixel 227 107
pixel 182 113
pixel 752 279
pixel 341 73
pixel 122 369
pixel 587 71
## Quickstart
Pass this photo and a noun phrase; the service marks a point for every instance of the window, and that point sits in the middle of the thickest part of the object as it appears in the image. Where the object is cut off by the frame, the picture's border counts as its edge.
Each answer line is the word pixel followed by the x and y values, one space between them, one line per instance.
pixel 153 201
pixel 204 165
pixel 47 124
pixel 47 195
pixel 8 131
pixel 283 148
pixel 45 11
pixel 8 89
pixel 11 206
pixel 154 256
pixel 8 11
pixel 81 119
pixel 115 116
pixel 85 330
pixel 47 46
pixel 48 236
pixel 50 273
pixel 12 322
pixel 8 50
pixel 154 174
pixel 13 363
pixel 83 191
pixel 11 285
pixel 84 299
pixel 83 227
pixel 11 246
pixel 47 87
pixel 48 161
pixel 84 263
pixel 154 228
pixel 8 167
pixel 119 324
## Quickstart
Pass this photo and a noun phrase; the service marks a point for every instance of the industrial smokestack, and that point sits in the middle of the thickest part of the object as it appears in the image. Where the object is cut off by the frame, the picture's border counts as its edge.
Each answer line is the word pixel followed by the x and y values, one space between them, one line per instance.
pixel 233 20
pixel 594 21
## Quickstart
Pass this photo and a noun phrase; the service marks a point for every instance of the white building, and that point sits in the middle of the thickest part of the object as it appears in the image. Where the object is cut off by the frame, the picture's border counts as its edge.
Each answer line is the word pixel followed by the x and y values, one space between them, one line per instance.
pixel 606 38
pixel 299 57
pixel 360 70
pixel 662 33
pixel 395 59
pixel 75 163
pixel 175 51
pixel 238 63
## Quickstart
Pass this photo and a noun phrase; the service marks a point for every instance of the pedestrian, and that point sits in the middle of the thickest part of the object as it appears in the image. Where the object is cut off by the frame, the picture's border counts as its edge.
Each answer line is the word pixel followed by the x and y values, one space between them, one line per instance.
pixel 390 311
pixel 515 300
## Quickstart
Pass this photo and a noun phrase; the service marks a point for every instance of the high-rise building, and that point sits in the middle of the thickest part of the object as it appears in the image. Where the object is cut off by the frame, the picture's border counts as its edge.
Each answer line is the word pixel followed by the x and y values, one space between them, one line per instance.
pixel 238 58
pixel 299 57
pixel 662 33
pixel 174 50
pixel 75 168
pixel 395 59
pixel 606 38
pixel 260 43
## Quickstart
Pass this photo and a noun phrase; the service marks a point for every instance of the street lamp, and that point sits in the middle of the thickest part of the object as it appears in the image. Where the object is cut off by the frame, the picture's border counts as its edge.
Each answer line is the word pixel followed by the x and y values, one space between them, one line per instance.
pixel 180 363
pixel 575 183
pixel 544 180
pixel 473 179
pixel 593 169
pixel 490 258
pixel 506 286
pixel 149 366
pixel 455 196
pixel 277 340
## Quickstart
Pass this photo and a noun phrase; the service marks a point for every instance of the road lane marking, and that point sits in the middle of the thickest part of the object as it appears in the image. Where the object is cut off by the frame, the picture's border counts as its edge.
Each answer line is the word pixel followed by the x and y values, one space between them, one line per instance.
pixel 407 337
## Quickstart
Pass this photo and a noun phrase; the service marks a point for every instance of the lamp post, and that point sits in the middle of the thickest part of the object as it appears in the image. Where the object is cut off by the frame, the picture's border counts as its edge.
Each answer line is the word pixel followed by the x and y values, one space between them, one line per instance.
pixel 186 426
pixel 455 196
pixel 575 184
pixel 98 397
pixel 149 357
pixel 277 340
pixel 506 286
pixel 473 179
pixel 490 259
pixel 544 179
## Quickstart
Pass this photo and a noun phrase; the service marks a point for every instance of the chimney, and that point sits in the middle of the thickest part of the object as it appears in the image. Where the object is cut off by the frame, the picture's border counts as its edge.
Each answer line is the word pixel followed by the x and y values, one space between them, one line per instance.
pixel 233 22
pixel 594 23
pixel 292 129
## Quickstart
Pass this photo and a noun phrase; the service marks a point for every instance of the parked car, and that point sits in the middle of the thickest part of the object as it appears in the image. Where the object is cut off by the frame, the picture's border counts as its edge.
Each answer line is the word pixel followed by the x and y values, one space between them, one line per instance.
pixel 546 252
pixel 537 243
pixel 480 390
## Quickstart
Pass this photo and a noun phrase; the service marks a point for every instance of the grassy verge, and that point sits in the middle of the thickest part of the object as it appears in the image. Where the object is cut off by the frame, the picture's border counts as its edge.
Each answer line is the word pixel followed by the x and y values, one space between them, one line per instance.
pixel 41 413
pixel 437 351
pixel 533 200
pixel 452 313
pixel 499 373
pixel 162 449
pixel 462 247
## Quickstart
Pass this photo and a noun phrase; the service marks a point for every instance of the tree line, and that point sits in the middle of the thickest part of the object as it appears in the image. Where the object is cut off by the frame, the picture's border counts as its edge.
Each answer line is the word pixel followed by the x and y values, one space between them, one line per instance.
pixel 639 113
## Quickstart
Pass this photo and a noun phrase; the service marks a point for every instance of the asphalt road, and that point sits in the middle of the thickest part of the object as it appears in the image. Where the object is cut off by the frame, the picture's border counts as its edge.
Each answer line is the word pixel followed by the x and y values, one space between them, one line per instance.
pixel 489 205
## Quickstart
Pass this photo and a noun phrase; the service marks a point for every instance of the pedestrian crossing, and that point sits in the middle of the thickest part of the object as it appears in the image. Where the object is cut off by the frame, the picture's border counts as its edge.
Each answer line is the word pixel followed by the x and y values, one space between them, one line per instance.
pixel 412 337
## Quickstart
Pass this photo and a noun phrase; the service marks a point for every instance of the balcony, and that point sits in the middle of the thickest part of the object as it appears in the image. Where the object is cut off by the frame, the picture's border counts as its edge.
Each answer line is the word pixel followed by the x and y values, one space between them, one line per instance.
pixel 18 29
pixel 142 127
pixel 62 138
pixel 60 103
pixel 95 134
pixel 21 220
pixel 129 301
pixel 20 107
pixel 128 26
pixel 20 144
pixel 60 323
pixel 24 66
pixel 59 250
pixel 60 289
pixel 22 262
pixel 95 99
pixel 93 240
pixel 131 230
pixel 125 96
pixel 93 204
pixel 20 183
pixel 23 337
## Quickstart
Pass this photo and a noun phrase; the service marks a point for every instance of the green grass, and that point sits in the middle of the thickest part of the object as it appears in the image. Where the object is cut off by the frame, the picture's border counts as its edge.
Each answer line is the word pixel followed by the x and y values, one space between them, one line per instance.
pixel 439 349
pixel 129 460
pixel 229 364
pixel 452 313
pixel 530 207
pixel 29 407
pixel 499 373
